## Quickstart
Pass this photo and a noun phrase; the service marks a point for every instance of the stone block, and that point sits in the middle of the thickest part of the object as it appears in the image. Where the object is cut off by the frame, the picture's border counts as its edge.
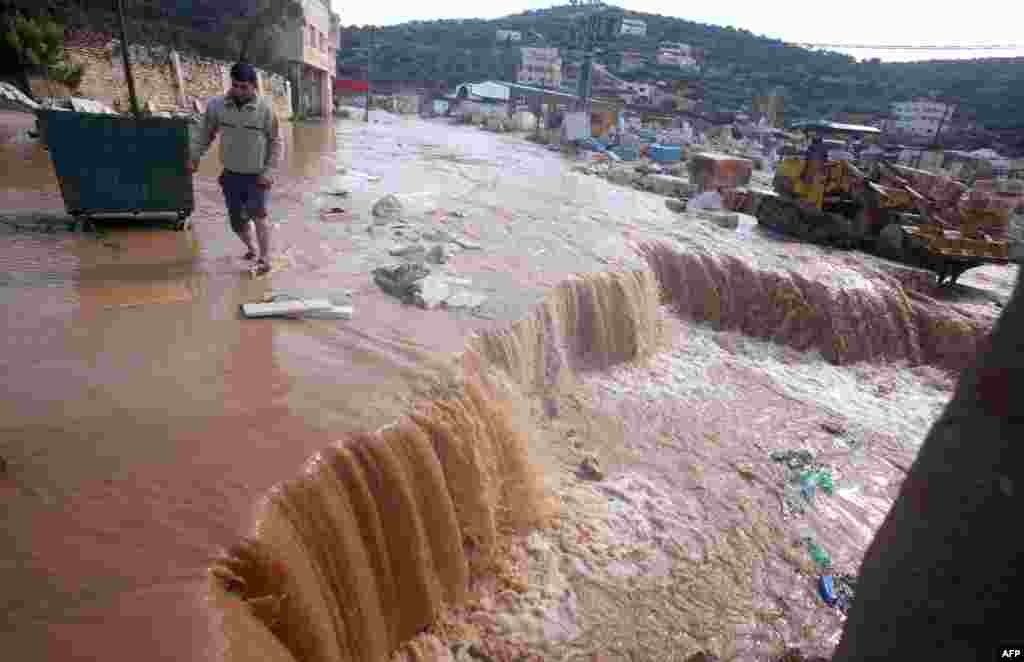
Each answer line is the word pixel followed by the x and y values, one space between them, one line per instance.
pixel 623 176
pixel 710 170
pixel 722 219
pixel 668 185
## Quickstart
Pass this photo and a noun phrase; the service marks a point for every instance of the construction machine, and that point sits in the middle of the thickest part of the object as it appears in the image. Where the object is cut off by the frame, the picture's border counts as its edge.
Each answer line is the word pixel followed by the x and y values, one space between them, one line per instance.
pixel 900 213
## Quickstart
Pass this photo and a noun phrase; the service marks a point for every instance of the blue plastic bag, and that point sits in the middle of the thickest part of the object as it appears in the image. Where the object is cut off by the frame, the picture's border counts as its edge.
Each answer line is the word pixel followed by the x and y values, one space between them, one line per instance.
pixel 827 590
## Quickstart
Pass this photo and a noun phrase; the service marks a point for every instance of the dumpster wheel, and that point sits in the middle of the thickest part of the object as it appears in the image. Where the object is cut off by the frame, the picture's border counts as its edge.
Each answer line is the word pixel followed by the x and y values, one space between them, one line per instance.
pixel 183 223
pixel 81 222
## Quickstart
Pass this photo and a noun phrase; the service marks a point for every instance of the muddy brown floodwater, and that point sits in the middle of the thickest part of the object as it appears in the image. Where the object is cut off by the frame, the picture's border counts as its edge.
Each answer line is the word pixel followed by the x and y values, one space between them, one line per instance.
pixel 144 419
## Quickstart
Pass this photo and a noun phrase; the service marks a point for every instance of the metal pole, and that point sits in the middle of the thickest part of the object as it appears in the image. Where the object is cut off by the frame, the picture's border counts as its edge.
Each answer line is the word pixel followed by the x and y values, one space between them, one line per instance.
pixel 588 59
pixel 938 130
pixel 369 77
pixel 127 65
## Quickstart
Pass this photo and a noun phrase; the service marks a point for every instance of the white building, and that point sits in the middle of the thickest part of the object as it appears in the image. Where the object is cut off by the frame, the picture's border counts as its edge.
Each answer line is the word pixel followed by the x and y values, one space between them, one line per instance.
pixel 633 26
pixel 641 93
pixel 509 35
pixel 540 66
pixel 920 117
pixel 676 55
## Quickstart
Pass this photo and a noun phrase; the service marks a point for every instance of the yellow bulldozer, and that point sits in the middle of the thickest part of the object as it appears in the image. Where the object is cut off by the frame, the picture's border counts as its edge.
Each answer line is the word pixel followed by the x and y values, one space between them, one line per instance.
pixel 897 212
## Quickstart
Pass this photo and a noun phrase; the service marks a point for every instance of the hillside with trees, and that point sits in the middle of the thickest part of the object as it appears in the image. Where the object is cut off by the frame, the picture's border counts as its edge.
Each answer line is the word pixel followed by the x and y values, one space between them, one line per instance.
pixel 737 65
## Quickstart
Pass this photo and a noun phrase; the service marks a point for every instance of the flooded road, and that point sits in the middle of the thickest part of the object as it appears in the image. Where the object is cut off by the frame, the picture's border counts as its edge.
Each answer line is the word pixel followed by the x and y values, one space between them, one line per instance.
pixel 144 418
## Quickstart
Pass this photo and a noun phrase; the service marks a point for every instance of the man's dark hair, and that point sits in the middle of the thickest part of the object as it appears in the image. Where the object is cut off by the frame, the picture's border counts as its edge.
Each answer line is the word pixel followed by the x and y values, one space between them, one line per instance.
pixel 243 72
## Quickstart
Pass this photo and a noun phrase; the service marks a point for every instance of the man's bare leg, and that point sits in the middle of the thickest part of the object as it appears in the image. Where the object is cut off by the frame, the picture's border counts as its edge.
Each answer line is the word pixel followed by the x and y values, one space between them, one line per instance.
pixel 242 227
pixel 244 233
pixel 262 224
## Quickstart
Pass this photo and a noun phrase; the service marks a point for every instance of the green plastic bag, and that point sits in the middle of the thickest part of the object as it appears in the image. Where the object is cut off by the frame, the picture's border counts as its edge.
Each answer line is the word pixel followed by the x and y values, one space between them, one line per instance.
pixel 818 553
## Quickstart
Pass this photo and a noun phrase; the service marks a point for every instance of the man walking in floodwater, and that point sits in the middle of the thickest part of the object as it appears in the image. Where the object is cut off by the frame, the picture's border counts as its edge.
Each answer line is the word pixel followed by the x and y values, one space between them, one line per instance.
pixel 250 152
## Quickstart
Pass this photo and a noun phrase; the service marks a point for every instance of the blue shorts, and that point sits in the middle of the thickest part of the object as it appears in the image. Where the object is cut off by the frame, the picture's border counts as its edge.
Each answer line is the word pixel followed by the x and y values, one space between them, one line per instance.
pixel 244 197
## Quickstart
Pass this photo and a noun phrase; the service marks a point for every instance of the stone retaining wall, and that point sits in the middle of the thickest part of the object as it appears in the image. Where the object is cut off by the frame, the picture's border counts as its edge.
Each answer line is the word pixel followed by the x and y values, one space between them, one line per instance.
pixel 167 80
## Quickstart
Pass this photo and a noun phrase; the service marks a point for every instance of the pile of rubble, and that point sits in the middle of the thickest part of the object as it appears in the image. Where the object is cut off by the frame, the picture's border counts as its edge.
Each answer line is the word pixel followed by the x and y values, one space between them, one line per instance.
pixel 412 281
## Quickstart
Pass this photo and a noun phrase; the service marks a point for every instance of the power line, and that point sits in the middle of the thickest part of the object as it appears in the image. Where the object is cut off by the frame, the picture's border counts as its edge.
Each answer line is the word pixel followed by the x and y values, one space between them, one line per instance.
pixel 914 47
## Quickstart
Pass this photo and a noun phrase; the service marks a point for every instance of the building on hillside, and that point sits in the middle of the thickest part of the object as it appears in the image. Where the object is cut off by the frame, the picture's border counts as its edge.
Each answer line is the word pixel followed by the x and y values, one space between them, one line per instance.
pixel 630 61
pixel 863 119
pixel 633 26
pixel 514 96
pixel 310 48
pixel 540 66
pixel 677 55
pixel 508 35
pixel 641 93
pixel 918 118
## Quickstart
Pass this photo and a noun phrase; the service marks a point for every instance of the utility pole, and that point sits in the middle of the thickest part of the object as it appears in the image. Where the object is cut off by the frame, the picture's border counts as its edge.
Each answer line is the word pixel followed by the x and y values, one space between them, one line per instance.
pixel 127 64
pixel 935 138
pixel 369 77
pixel 588 61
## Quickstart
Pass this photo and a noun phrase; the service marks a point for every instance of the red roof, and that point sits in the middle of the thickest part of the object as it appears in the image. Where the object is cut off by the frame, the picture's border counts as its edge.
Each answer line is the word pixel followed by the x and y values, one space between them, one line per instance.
pixel 350 85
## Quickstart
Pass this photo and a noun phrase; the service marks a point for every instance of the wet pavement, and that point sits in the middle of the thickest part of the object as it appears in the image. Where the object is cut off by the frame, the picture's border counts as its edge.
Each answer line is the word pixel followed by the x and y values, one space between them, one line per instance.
pixel 144 417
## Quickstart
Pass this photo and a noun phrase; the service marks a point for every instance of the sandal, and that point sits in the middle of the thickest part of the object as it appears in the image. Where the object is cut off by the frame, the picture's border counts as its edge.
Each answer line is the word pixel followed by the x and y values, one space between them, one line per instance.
pixel 249 255
pixel 262 268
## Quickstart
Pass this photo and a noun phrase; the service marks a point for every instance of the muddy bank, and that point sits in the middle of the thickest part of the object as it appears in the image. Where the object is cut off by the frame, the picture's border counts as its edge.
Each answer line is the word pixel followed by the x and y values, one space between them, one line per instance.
pixel 847 315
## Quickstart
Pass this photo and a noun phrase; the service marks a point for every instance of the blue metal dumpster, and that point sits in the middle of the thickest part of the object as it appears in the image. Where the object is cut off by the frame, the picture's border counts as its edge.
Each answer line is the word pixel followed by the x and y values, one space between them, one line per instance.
pixel 109 164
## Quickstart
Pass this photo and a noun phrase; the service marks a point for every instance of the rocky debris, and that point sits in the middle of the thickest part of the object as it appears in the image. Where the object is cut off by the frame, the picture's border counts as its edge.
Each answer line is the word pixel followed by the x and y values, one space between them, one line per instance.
pixel 439 254
pixel 796 460
pixel 465 299
pixel 425 647
pixel 400 281
pixel 668 185
pixel 389 207
pixel 458 214
pixel 722 219
pixel 590 469
pixel 678 169
pixel 463 651
pixel 436 234
pixel 408 250
pixel 796 655
pixel 703 657
pixel 466 244
pixel 834 428
pixel 431 292
pixel 649 169
pixel 623 176
pixel 413 283
pixel 678 206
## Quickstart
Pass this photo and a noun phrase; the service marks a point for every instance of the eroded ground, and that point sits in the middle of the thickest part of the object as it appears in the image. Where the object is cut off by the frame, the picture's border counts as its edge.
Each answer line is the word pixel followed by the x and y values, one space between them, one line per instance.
pixel 144 417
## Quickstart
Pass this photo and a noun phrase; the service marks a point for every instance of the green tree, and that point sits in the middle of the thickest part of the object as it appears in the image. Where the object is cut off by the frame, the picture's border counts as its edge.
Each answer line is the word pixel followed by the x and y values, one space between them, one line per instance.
pixel 38 44
pixel 257 32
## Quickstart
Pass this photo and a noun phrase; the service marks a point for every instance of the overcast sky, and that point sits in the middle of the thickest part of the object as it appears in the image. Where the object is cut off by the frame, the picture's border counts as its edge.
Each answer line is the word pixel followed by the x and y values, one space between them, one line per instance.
pixel 820 21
